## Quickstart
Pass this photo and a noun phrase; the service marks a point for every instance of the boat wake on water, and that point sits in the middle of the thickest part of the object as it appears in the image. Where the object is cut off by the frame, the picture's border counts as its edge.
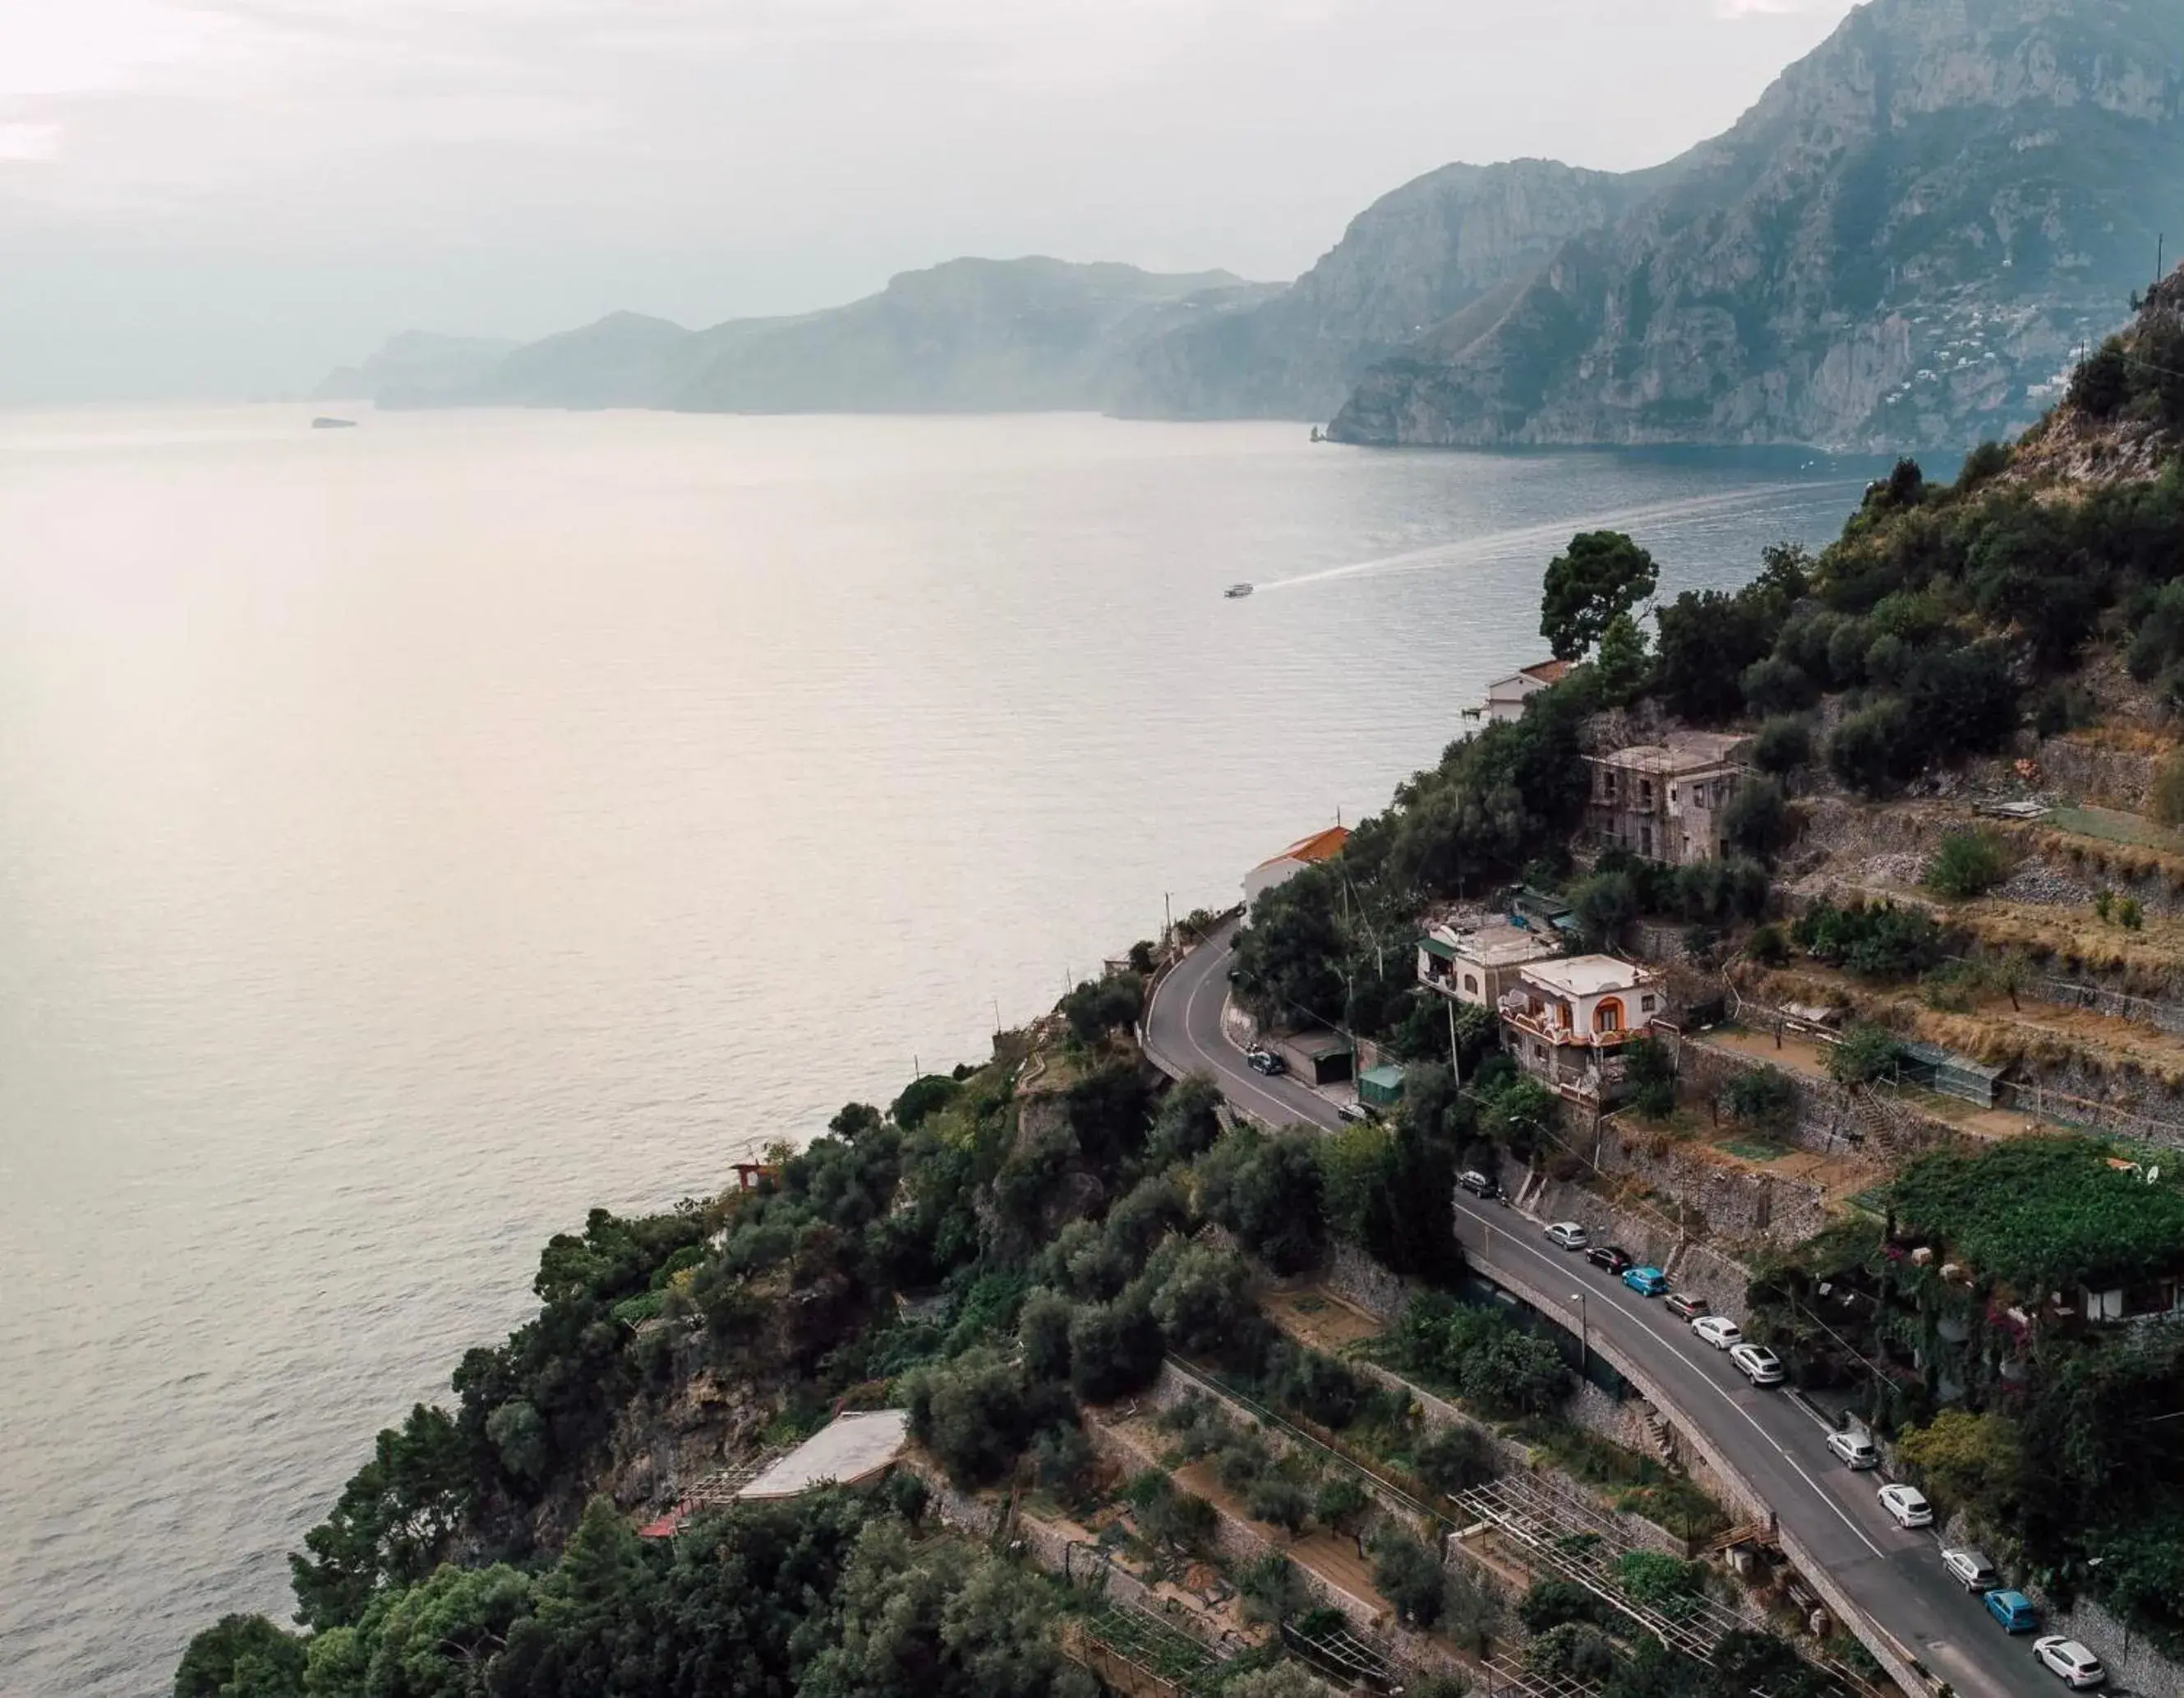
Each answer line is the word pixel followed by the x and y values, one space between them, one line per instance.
pixel 1557 533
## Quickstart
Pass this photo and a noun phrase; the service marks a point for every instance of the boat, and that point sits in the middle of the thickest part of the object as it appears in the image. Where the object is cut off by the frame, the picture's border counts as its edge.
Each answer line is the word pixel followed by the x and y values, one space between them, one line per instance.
pixel 324 423
pixel 1237 592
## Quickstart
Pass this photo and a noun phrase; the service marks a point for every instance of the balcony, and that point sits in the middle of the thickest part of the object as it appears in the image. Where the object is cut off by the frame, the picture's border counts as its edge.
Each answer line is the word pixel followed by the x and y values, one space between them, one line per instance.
pixel 1547 1022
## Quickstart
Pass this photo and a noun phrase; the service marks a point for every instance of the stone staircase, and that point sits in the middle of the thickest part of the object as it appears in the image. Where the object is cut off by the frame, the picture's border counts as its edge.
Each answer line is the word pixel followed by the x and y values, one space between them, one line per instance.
pixel 1659 1434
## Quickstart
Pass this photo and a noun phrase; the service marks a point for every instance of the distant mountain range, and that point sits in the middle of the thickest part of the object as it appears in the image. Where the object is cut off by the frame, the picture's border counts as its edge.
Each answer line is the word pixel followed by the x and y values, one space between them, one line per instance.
pixel 1900 245
pixel 973 335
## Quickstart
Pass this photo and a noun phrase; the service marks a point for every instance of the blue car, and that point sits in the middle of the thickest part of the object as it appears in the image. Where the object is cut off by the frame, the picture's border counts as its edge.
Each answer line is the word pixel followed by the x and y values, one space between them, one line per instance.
pixel 2014 1610
pixel 1645 1281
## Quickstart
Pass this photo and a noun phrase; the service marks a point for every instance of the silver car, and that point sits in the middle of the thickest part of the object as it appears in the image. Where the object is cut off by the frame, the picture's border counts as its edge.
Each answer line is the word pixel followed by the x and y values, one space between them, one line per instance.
pixel 1971 1570
pixel 1855 1449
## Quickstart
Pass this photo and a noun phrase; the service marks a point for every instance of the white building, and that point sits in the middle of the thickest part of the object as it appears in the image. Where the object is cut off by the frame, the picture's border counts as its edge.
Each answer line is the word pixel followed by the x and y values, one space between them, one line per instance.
pixel 1479 966
pixel 1567 1022
pixel 1306 851
pixel 1506 696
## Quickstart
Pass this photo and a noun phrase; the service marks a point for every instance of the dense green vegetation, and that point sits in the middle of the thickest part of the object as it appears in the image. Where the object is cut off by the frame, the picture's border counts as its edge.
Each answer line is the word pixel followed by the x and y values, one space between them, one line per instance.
pixel 840 1594
pixel 2051 1433
pixel 2044 1214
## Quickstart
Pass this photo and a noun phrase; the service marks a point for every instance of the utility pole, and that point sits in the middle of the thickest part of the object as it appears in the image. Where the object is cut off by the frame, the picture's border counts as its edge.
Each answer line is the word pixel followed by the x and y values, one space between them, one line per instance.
pixel 1168 917
pixel 1584 1336
pixel 1454 1055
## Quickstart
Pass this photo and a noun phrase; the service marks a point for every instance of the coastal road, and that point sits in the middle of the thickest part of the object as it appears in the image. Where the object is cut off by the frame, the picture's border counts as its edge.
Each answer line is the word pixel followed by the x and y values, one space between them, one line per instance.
pixel 1895 1577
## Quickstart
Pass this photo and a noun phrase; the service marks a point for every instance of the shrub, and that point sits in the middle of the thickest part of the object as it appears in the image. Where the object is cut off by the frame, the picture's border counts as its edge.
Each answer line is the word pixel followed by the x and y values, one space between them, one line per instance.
pixel 1870 1052
pixel 976 1414
pixel 1869 750
pixel 1575 1650
pixel 2164 801
pixel 1968 1461
pixel 1775 685
pixel 1200 1300
pixel 1550 1603
pixel 1604 905
pixel 1968 864
pixel 1457 1459
pixel 1189 1121
pixel 1272 1590
pixel 1955 986
pixel 2101 384
pixel 1322 1389
pixel 2130 913
pixel 1769 946
pixel 1267 1191
pixel 1758 819
pixel 1759 1097
pixel 1707 640
pixel 1061 1457
pixel 1650 1576
pixel 1877 942
pixel 1100 1006
pixel 1988 460
pixel 1782 746
pixel 1650 1072
pixel 1043 1329
pixel 1279 1501
pixel 1340 1501
pixel 1483 1354
pixel 1114 1349
pixel 1168 1516
pixel 1409 1576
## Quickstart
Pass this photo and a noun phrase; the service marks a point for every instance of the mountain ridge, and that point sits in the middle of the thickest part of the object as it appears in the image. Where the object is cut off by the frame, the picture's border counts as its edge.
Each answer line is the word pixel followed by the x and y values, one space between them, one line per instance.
pixel 1938 173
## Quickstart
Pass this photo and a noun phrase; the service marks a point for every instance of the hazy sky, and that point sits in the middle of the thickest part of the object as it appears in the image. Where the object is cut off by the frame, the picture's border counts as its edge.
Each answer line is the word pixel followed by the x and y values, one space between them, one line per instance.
pixel 217 195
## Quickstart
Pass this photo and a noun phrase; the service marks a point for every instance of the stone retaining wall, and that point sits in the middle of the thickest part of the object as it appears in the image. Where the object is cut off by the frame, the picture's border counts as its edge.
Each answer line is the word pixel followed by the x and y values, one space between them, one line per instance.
pixel 2132 1662
pixel 1731 1203
pixel 1357 1278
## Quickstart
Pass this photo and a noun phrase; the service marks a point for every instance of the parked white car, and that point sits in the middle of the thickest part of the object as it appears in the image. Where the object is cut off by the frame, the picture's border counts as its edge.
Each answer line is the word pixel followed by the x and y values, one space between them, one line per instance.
pixel 1907 1504
pixel 1972 1570
pixel 1855 1449
pixel 2078 1667
pixel 1719 1331
pixel 1568 1235
pixel 1757 1363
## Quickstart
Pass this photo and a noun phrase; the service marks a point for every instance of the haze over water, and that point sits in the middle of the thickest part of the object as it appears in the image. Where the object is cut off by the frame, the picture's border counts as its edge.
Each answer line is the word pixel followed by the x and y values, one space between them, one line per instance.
pixel 412 836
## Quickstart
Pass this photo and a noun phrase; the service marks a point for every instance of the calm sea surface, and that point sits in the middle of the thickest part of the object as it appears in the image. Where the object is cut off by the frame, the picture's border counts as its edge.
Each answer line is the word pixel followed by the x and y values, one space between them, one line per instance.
pixel 411 836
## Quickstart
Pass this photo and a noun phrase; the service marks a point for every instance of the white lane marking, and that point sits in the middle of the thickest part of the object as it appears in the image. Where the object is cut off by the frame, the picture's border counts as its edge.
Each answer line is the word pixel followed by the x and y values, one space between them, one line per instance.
pixel 1708 1381
pixel 1275 1106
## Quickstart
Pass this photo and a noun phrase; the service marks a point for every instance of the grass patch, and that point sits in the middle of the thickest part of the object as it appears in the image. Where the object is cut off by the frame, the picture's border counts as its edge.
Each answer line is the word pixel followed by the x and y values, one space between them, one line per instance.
pixel 1637 1485
pixel 2112 826
pixel 1754 1149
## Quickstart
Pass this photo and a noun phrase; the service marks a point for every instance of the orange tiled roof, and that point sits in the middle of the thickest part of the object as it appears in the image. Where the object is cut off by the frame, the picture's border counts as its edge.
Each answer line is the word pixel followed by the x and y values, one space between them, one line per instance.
pixel 1321 846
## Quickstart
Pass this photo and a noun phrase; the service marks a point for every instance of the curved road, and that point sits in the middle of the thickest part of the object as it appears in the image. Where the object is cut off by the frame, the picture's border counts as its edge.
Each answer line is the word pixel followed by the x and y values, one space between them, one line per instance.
pixel 1895 1577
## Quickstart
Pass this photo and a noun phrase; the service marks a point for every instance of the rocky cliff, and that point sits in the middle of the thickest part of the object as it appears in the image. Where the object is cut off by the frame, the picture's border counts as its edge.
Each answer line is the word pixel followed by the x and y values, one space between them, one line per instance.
pixel 1901 245
pixel 1406 264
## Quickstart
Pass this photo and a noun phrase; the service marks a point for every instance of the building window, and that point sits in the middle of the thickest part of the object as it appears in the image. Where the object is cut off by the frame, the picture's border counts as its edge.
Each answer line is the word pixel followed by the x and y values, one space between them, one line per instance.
pixel 1648 1004
pixel 1471 984
pixel 1607 1018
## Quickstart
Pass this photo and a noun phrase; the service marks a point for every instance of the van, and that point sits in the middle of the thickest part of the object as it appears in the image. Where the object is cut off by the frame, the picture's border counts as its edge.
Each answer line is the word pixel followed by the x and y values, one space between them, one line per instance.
pixel 2014 1610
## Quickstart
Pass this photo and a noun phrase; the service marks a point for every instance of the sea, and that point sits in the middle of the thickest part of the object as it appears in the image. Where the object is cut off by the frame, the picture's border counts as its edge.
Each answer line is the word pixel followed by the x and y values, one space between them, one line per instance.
pixel 412 836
